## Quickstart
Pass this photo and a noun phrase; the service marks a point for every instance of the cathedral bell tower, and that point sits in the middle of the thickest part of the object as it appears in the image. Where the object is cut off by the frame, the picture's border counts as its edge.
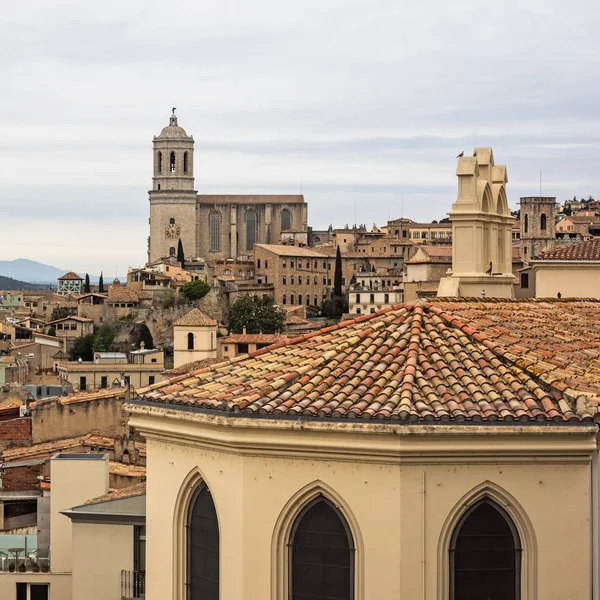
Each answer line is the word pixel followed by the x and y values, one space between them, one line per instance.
pixel 172 197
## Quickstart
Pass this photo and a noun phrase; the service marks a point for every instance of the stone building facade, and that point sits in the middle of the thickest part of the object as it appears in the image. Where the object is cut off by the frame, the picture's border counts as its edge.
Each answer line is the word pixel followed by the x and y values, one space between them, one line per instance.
pixel 213 227
pixel 538 230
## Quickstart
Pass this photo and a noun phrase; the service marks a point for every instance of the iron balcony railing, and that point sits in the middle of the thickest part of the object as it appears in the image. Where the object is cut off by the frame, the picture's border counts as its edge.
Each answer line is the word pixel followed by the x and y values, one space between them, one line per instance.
pixel 133 585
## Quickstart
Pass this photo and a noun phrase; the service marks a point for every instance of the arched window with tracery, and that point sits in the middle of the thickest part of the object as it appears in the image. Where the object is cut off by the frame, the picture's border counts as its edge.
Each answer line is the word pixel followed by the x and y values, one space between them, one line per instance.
pixel 485 555
pixel 185 162
pixel 202 581
pixel 321 554
pixel 190 340
pixel 172 162
pixel 251 226
pixel 543 222
pixel 159 162
pixel 214 225
pixel 286 219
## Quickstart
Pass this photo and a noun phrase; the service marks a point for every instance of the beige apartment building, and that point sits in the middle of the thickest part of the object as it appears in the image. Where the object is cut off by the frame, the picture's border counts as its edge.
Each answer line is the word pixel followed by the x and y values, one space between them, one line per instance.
pixel 71 328
pixel 136 369
pixel 299 275
pixel 89 543
pixel 571 271
pixel 425 412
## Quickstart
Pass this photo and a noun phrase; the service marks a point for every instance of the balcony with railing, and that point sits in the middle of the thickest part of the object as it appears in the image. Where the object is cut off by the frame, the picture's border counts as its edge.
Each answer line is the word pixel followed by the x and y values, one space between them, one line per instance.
pixel 20 554
pixel 133 585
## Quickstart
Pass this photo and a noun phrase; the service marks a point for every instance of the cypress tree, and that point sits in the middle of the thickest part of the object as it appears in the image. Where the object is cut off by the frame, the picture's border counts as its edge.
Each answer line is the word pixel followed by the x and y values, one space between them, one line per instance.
pixel 180 254
pixel 337 281
pixel 86 287
pixel 101 284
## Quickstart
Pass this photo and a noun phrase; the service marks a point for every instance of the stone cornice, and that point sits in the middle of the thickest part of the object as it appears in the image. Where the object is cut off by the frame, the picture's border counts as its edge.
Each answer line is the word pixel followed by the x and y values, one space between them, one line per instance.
pixel 364 441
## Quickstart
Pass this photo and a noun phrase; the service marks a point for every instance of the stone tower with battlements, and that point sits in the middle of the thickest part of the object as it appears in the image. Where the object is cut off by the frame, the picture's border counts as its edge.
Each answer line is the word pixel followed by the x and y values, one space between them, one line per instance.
pixel 538 228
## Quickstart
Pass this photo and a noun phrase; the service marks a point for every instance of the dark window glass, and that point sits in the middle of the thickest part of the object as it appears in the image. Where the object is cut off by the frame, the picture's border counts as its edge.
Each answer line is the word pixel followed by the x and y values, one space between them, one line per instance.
pixel 214 222
pixel 190 339
pixel 543 222
pixel 526 224
pixel 321 555
pixel 485 555
pixel 286 220
pixel 185 162
pixel 251 230
pixel 524 280
pixel 103 381
pixel 203 548
pixel 38 591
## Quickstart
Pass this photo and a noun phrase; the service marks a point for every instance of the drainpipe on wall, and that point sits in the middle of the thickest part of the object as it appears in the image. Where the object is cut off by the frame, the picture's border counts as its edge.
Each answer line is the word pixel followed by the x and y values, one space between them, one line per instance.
pixel 595 524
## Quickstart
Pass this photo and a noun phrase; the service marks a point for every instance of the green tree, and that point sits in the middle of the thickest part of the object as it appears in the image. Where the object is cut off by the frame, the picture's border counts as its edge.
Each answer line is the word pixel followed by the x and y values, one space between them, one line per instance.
pixel 334 307
pixel 194 290
pixel 101 284
pixel 104 338
pixel 52 330
pixel 258 314
pixel 83 348
pixel 145 336
pixel 86 287
pixel 60 312
pixel 337 278
pixel 180 254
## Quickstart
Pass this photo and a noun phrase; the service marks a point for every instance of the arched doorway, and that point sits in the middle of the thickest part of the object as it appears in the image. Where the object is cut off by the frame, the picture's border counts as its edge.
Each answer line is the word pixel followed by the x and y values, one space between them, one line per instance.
pixel 485 555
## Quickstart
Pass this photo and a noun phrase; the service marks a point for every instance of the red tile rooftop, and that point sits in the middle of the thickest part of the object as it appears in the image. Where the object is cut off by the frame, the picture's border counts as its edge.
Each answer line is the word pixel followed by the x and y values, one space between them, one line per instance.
pixel 588 250
pixel 441 360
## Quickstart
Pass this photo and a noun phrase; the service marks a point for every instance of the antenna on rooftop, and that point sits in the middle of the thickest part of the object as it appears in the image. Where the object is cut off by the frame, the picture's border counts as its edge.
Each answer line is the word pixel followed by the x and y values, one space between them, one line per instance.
pixel 402 208
pixel 540 183
pixel 300 184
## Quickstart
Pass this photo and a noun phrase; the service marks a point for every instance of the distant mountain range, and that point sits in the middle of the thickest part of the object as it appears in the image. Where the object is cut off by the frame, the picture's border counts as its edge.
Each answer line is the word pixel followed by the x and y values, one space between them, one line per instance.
pixel 32 271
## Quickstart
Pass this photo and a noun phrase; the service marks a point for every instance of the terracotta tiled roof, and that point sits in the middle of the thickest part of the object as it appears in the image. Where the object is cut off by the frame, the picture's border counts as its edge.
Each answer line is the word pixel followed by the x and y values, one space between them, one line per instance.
pixel 191 366
pixel 71 318
pixel 196 318
pixel 291 251
pixel 253 338
pixel 139 489
pixel 117 468
pixel 122 294
pixel 588 250
pixel 70 276
pixel 406 363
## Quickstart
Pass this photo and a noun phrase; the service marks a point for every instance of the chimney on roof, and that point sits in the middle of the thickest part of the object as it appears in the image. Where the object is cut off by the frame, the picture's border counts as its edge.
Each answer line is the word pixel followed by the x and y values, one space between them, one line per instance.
pixel 244 330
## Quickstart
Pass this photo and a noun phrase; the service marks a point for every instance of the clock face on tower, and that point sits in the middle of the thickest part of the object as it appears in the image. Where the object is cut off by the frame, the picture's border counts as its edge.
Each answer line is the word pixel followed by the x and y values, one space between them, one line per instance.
pixel 172 231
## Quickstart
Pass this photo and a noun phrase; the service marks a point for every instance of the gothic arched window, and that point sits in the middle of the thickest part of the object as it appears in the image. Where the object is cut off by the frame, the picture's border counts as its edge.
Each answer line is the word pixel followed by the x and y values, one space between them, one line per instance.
pixel 543 222
pixel 321 554
pixel 250 230
pixel 485 555
pixel 286 220
pixel 526 224
pixel 185 162
pixel 214 225
pixel 172 162
pixel 172 251
pixel 159 162
pixel 202 548
pixel 190 338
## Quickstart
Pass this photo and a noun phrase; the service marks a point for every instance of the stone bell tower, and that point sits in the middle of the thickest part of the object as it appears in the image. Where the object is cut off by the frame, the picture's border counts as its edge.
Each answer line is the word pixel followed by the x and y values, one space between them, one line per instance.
pixel 172 197
pixel 481 231
pixel 538 228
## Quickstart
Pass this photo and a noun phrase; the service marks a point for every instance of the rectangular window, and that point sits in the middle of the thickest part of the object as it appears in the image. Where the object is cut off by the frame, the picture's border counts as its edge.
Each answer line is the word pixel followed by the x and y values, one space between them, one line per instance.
pixel 151 379
pixel 525 280
pixel 32 591
pixel 266 264
pixel 357 298
pixel 284 263
pixel 358 310
pixel 284 280
pixel 258 263
pixel 82 384
pixel 329 266
pixel 104 381
pixel 404 233
pixel 386 299
pixel 372 298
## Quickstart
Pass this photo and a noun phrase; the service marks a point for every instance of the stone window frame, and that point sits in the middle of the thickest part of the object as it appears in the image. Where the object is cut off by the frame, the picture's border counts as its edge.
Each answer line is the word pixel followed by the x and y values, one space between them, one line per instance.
pixel 280 567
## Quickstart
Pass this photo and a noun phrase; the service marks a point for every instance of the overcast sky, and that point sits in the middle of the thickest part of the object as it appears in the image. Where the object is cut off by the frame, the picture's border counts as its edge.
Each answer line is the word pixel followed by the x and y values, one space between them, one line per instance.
pixel 365 101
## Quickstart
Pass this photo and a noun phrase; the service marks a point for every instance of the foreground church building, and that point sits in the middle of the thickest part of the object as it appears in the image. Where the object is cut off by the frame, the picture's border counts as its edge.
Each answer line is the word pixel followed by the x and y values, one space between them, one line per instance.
pixel 213 227
pixel 442 450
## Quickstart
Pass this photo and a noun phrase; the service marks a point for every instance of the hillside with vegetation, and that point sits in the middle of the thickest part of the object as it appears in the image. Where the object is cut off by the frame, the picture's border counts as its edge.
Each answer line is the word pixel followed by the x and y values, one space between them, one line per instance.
pixel 8 283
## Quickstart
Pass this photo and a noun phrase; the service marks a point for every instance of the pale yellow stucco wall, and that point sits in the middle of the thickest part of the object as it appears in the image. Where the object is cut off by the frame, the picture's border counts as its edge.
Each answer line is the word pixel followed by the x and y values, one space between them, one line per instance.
pixel 59 585
pixel 74 481
pixel 205 344
pixel 99 554
pixel 571 280
pixel 398 499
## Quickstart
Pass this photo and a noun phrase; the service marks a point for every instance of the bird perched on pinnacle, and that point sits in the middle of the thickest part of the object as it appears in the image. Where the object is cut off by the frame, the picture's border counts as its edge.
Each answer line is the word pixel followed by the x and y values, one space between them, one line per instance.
pixel 461 154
